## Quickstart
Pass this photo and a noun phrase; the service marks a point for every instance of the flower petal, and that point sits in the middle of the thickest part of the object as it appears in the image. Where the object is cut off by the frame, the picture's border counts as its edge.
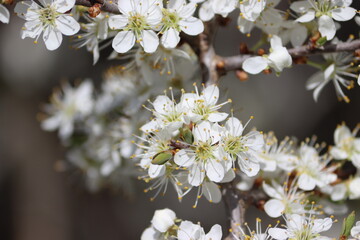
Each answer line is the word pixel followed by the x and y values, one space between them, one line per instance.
pixel 327 27
pixel 255 65
pixel 149 41
pixel 67 25
pixel 52 38
pixel 192 26
pixel 123 41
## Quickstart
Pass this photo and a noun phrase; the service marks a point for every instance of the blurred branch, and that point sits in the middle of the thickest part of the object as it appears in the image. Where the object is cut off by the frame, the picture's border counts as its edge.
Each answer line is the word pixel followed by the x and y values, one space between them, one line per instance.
pixel 235 62
pixel 107 6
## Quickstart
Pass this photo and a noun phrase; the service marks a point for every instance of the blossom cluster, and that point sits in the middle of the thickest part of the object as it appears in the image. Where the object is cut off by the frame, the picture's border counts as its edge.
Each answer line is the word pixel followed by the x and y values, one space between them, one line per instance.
pixel 165 225
pixel 97 127
pixel 184 144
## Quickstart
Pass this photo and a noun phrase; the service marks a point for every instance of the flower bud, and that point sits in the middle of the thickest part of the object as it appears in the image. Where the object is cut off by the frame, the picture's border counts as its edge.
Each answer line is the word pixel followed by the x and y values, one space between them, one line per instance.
pixel 163 219
pixel 162 157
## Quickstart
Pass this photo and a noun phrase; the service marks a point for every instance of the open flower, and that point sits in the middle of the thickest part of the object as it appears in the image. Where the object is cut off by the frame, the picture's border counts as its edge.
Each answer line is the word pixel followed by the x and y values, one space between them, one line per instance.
pixel 302 227
pixel 177 17
pixel 244 148
pixel 202 158
pixel 312 169
pixel 189 231
pixel 347 146
pixel 326 11
pixel 50 18
pixel 138 20
pixel 279 58
pixel 203 106
pixel 284 199
pixel 4 14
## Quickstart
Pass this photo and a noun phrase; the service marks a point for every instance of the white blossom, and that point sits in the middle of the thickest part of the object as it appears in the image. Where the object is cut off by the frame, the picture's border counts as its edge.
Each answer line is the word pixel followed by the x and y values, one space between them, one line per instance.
pixel 279 58
pixel 355 231
pixel 50 18
pixel 137 22
pixel 347 146
pixel 312 169
pixel 284 199
pixel 177 17
pixel 302 227
pixel 339 68
pixel 163 219
pixel 189 231
pixel 326 11
pixel 244 148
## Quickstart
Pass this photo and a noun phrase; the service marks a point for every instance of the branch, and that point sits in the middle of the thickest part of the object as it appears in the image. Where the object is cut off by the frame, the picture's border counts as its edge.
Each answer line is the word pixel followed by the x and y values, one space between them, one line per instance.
pixel 107 6
pixel 235 62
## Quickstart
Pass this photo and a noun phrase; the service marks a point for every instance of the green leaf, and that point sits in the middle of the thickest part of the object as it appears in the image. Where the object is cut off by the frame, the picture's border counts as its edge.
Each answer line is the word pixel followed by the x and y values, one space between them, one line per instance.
pixel 347 225
pixel 321 41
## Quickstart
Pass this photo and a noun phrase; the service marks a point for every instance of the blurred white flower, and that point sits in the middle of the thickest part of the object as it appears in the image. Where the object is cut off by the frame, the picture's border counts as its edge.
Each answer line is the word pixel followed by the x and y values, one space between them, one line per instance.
pixel 347 146
pixel 50 18
pixel 67 107
pixel 355 231
pixel 137 22
pixel 339 67
pixel 284 199
pixel 95 32
pixel 312 169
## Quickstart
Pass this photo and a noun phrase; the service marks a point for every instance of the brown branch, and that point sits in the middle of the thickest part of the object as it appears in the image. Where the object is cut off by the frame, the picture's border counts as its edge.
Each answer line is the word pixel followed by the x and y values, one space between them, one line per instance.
pixel 235 62
pixel 107 6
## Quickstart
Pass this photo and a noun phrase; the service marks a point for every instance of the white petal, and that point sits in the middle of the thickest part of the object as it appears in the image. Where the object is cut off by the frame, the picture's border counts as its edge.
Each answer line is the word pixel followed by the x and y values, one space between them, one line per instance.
pixel 206 11
pixel 307 17
pixel 162 104
pixel 196 175
pixel 21 8
pixel 321 225
pixel 187 10
pixel 217 117
pixel 171 38
pixel 343 13
pixel 150 234
pixel 342 133
pixel 52 38
pixel 255 65
pixel 202 132
pixel 4 14
pixel 67 25
pixel 62 6
pixel 118 21
pixel 327 27
pixel 315 80
pixel 212 192
pixel 274 208
pixel 355 159
pixel 306 182
pixel 215 233
pixel 156 170
pixel 183 159
pixel 298 35
pixel 149 41
pixel 192 26
pixel 123 41
pixel 234 126
pixel 338 153
pixel 278 233
pixel 211 94
pixel 300 6
pixel 125 7
pixel 214 170
pixel 163 219
pixel 244 25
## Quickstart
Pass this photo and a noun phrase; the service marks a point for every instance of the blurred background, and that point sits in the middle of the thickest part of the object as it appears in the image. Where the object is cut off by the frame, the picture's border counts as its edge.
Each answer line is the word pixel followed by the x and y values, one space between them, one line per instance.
pixel 39 203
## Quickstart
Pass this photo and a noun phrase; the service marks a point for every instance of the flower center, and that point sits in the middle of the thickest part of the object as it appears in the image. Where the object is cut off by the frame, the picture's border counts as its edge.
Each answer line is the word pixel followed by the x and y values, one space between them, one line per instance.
pixel 233 145
pixel 137 23
pixel 204 151
pixel 48 15
pixel 170 20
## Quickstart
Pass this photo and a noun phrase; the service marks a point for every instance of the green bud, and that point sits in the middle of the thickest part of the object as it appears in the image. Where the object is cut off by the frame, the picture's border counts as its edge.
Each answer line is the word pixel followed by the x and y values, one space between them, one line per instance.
pixel 321 41
pixel 187 135
pixel 347 225
pixel 162 157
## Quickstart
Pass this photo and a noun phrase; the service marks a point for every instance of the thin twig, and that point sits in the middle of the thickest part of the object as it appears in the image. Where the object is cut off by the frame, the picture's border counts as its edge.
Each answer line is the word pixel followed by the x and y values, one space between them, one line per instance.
pixel 235 62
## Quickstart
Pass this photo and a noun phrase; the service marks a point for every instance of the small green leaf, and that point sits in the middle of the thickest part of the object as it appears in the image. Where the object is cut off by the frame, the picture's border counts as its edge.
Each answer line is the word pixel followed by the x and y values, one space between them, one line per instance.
pixel 321 41
pixel 162 157
pixel 347 225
